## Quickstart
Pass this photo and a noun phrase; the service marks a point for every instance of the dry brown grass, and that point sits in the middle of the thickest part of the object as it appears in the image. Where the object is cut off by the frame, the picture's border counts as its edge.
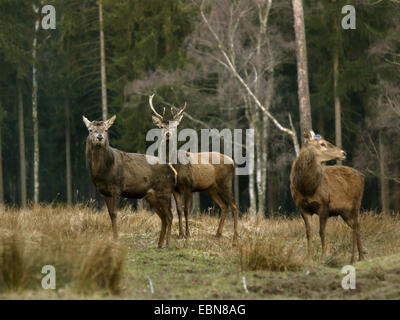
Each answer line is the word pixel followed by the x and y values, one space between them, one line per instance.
pixel 74 240
pixel 284 239
pixel 272 254
pixel 102 267
pixel 78 242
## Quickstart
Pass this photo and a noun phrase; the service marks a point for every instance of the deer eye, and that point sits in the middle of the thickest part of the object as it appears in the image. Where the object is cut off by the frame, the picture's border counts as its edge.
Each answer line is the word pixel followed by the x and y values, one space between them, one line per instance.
pixel 90 130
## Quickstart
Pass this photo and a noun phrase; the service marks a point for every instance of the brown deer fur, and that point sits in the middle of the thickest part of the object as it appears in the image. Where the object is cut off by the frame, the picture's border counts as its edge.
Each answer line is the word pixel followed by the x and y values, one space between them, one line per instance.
pixel 199 176
pixel 326 190
pixel 117 174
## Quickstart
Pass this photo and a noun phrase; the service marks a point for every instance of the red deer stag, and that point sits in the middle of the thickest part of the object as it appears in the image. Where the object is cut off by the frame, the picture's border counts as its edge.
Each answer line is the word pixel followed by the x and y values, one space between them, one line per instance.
pixel 326 190
pixel 118 174
pixel 200 174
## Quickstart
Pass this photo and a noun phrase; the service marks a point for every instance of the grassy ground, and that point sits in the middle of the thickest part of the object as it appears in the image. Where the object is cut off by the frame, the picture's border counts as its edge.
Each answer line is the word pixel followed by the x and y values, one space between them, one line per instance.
pixel 270 255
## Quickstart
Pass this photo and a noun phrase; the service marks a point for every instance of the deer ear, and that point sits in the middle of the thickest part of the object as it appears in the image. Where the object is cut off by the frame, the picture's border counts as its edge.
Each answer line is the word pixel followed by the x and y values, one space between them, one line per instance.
pixel 110 121
pixel 307 136
pixel 157 121
pixel 86 121
pixel 312 134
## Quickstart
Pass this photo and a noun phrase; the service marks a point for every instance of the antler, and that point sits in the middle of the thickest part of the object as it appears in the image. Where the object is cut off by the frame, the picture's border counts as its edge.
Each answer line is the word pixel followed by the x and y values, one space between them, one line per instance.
pixel 152 108
pixel 178 115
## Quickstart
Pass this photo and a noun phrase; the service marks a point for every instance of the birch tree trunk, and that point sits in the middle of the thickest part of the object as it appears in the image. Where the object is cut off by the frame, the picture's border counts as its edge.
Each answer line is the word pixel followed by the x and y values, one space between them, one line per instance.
pixel 22 161
pixel 252 192
pixel 384 182
pixel 228 63
pixel 302 69
pixel 261 134
pixel 68 151
pixel 103 65
pixel 35 113
pixel 252 184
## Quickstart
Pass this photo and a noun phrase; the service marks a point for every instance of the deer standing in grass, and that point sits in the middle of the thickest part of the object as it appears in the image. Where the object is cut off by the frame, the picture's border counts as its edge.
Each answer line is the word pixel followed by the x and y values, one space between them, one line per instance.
pixel 326 190
pixel 117 174
pixel 199 175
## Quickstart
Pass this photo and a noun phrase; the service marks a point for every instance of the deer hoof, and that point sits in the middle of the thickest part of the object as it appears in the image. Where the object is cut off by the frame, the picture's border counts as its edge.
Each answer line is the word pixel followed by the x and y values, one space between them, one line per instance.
pixel 180 236
pixel 187 235
pixel 217 236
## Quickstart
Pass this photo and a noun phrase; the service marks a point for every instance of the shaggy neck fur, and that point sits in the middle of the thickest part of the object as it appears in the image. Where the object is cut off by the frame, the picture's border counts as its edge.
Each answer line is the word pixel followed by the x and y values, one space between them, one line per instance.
pixel 99 158
pixel 307 172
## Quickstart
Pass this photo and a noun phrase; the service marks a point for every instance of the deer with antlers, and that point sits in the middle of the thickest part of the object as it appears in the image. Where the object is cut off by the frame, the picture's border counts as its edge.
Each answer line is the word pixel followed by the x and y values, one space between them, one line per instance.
pixel 199 174
pixel 326 190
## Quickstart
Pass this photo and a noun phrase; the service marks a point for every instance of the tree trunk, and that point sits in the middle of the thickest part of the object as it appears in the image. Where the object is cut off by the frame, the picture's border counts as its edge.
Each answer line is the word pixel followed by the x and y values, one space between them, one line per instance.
pixel 195 202
pixel 139 205
pixel 396 189
pixel 321 124
pixel 259 167
pixel 271 192
pixel 35 113
pixel 103 64
pixel 302 70
pixel 1 171
pixel 384 183
pixel 22 161
pixel 262 143
pixel 68 151
pixel 252 194
pixel 338 121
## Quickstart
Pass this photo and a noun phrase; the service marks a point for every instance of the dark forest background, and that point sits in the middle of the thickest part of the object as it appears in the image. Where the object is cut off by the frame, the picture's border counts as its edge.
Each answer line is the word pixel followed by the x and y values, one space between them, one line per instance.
pixel 164 46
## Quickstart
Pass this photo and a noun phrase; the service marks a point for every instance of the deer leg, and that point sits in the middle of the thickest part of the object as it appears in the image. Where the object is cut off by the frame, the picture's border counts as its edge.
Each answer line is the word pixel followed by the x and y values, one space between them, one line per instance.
pixel 323 218
pixel 188 196
pixel 169 224
pixel 216 198
pixel 159 206
pixel 112 206
pixel 235 220
pixel 178 200
pixel 353 225
pixel 306 218
pixel 227 197
pixel 162 232
pixel 234 209
pixel 357 232
pixel 164 204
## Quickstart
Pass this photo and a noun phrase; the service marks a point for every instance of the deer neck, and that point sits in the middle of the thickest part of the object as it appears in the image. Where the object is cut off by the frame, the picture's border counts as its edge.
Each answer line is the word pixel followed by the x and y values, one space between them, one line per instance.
pixel 307 173
pixel 170 150
pixel 99 159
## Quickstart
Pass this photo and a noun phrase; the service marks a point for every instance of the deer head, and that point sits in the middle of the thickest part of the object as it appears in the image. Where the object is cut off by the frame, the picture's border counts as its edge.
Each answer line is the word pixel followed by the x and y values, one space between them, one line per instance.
pixel 98 130
pixel 323 150
pixel 168 127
